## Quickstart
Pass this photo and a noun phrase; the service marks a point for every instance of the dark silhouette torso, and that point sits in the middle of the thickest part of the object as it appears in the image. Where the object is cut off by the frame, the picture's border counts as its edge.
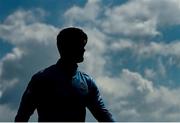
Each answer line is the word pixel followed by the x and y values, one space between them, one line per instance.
pixel 58 98
pixel 61 93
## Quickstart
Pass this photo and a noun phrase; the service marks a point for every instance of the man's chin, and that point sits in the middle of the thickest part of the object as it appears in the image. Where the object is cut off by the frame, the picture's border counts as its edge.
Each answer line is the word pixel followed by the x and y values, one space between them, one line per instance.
pixel 80 60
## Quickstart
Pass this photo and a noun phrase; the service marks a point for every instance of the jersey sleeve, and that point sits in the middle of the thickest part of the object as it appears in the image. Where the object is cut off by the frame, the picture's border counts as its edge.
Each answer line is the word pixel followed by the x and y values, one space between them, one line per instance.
pixel 28 103
pixel 96 104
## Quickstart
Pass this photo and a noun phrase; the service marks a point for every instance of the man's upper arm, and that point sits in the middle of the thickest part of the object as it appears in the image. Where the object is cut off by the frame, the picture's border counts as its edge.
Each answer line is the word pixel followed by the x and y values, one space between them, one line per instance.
pixel 96 104
pixel 28 103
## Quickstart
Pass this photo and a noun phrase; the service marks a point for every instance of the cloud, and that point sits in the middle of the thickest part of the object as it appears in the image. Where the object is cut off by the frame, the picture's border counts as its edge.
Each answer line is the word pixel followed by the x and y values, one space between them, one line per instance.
pixel 88 13
pixel 131 19
pixel 149 50
pixel 141 18
pixel 149 73
pixel 163 49
pixel 125 82
pixel 135 18
pixel 164 16
pixel 5 113
pixel 23 26
pixel 132 97
pixel 122 45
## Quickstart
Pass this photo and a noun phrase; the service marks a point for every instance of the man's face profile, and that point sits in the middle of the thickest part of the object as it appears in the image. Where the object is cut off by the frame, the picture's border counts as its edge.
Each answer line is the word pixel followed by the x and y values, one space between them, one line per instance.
pixel 71 42
pixel 76 52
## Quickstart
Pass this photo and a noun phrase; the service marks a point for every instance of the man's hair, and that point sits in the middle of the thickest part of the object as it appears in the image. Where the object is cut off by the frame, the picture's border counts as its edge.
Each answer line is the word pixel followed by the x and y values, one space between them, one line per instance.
pixel 69 37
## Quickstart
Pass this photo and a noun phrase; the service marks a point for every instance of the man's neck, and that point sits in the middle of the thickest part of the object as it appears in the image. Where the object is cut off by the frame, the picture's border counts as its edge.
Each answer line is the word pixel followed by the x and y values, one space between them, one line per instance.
pixel 68 63
pixel 67 66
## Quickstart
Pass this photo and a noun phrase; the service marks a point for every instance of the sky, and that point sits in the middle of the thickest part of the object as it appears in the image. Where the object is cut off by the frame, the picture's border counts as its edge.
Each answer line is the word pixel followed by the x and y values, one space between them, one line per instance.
pixel 133 52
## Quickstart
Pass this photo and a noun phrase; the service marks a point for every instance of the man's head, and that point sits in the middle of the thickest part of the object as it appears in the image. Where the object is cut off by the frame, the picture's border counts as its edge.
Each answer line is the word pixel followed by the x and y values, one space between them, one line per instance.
pixel 71 42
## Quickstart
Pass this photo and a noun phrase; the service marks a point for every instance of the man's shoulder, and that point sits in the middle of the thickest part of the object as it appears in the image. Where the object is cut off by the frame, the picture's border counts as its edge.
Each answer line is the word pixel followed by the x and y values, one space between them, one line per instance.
pixel 84 75
pixel 89 80
pixel 45 72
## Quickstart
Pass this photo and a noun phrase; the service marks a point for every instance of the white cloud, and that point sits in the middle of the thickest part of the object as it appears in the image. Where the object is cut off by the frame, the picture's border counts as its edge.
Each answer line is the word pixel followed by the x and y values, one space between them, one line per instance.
pixel 122 45
pixel 149 73
pixel 135 18
pixel 23 26
pixel 165 17
pixel 5 113
pixel 149 50
pixel 162 49
pixel 15 54
pixel 138 81
pixel 131 19
pixel 128 19
pixel 166 103
pixel 161 68
pixel 6 82
pixel 88 13
pixel 132 97
pixel 141 18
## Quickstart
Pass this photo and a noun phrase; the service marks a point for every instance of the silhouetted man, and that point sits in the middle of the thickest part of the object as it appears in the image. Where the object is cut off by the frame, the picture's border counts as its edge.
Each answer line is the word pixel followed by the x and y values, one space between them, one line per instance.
pixel 61 92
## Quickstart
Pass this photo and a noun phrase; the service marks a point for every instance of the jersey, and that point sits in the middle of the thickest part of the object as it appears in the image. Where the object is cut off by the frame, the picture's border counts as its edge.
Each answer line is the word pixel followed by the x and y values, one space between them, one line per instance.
pixel 62 95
